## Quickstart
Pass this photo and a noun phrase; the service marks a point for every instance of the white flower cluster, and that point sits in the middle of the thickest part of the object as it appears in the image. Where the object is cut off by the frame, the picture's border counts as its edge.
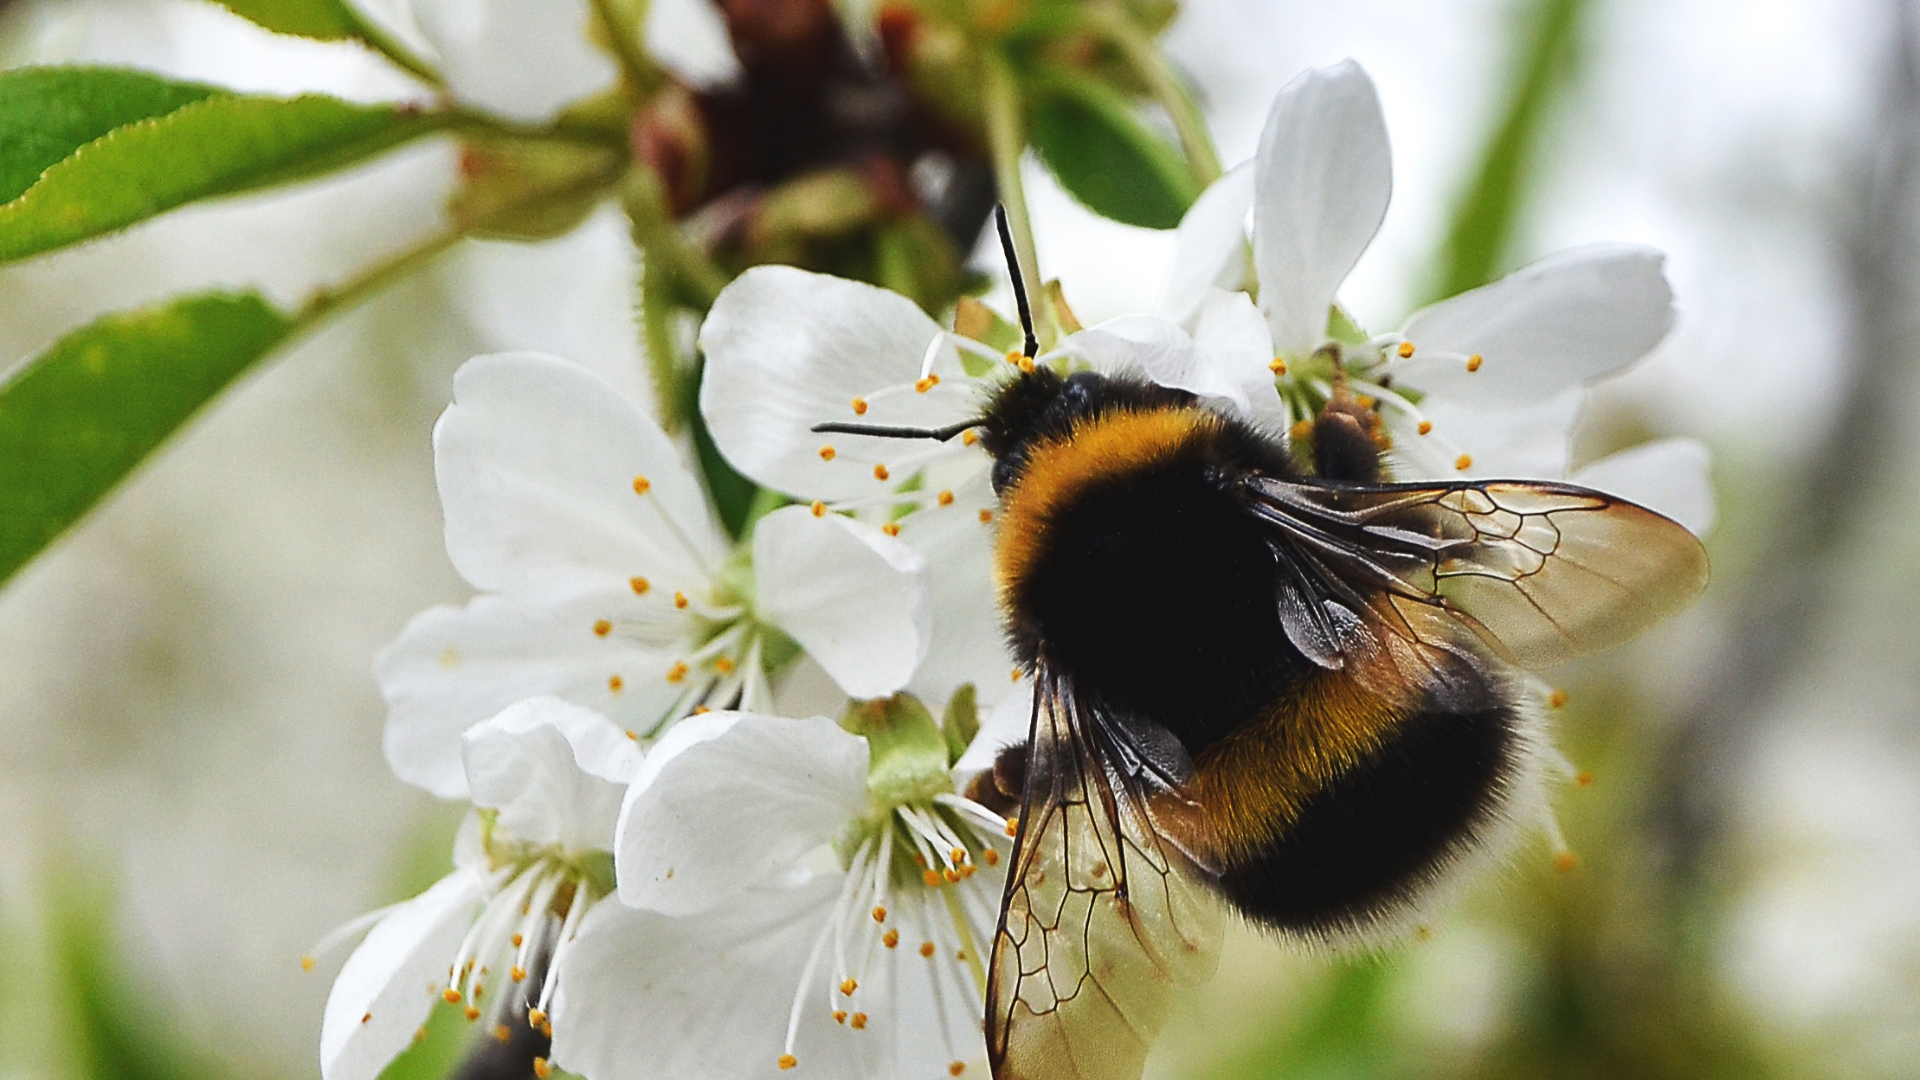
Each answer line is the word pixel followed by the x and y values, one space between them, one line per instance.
pixel 668 875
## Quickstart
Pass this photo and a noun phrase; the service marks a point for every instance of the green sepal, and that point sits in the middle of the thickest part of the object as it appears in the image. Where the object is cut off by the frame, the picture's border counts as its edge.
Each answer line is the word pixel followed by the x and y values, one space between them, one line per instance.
pixel 1088 136
pixel 532 190
pixel 961 722
pixel 907 754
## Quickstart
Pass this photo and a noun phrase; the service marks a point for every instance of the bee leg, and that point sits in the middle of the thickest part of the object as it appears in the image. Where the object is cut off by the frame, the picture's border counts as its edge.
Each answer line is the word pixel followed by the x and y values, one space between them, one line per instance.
pixel 1345 442
pixel 999 788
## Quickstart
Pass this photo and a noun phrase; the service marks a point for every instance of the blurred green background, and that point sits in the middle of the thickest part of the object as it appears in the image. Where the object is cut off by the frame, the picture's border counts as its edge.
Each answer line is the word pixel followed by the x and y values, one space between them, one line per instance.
pixel 191 781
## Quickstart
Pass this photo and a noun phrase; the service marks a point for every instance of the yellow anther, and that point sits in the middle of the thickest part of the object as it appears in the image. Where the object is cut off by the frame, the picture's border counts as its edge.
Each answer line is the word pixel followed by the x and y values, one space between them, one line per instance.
pixel 541 1068
pixel 1026 365
pixel 826 453
pixel 1565 862
pixel 986 516
pixel 931 877
pixel 602 627
pixel 819 508
pixel 677 672
pixel 639 585
pixel 1557 699
pixel 859 1021
pixel 969 437
pixel 956 1068
pixel 472 1014
pixel 1583 778
pixel 631 734
pixel 680 600
pixel 926 949
pixel 1014 356
pixel 452 995
pixel 502 1032
pixel 1018 674
pixel 547 1029
pixel 615 683
pixel 848 986
pixel 1405 350
pixel 307 962
pixel 518 973
pixel 879 913
pixel 536 1017
pixel 1474 362
pixel 642 485
pixel 946 498
pixel 891 939
pixel 951 875
pixel 969 870
pixel 520 939
pixel 364 1017
pixel 891 528
pixel 921 386
pixel 957 855
pixel 1013 826
pixel 1463 462
pixel 859 406
pixel 839 1016
pixel 992 857
pixel 880 472
pixel 787 1061
pixel 699 709
pixel 723 664
pixel 1426 427
pixel 1278 367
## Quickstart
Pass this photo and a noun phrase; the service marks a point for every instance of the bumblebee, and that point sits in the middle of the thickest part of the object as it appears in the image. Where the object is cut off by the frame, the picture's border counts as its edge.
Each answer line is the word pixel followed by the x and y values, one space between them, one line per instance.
pixel 1281 688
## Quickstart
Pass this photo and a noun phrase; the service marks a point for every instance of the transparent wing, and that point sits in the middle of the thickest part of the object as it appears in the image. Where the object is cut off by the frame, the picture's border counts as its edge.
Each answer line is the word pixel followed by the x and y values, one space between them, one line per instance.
pixel 1540 572
pixel 1104 914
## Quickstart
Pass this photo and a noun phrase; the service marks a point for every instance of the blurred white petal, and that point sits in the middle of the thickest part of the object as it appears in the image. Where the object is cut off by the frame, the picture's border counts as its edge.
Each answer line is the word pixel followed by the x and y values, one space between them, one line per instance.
pixel 1667 475
pixel 556 773
pixel 1528 443
pixel 1210 246
pixel 1153 347
pixel 522 59
pixel 969 645
pixel 689 38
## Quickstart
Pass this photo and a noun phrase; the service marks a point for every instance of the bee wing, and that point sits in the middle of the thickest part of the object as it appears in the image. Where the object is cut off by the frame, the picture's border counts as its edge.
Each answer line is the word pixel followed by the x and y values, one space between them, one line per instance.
pixel 1103 914
pixel 1540 572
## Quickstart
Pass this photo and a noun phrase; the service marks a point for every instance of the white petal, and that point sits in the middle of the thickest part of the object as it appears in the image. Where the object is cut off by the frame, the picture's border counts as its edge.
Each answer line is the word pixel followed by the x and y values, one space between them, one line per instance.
pixel 555 772
pixel 1528 443
pixel 1153 347
pixel 689 38
pixel 391 981
pixel 1008 724
pixel 734 800
pixel 453 667
pixel 537 461
pixel 1667 475
pixel 787 349
pixel 1210 246
pixel 1231 338
pixel 1564 320
pixel 1324 176
pixel 969 645
pixel 645 995
pixel 853 596
pixel 523 59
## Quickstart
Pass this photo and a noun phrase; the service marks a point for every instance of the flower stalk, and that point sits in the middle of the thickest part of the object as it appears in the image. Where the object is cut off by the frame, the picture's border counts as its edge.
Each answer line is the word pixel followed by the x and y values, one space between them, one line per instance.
pixel 1006 138
pixel 1144 55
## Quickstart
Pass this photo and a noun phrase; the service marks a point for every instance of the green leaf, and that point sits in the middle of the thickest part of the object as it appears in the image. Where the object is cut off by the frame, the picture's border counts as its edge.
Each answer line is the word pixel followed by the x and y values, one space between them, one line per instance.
pixel 46 113
pixel 219 145
pixel 81 415
pixel 327 20
pixel 1105 157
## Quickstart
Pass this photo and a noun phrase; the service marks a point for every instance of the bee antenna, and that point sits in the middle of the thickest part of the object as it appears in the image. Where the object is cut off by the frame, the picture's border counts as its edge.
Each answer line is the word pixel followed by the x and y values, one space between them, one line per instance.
pixel 1032 344
pixel 940 434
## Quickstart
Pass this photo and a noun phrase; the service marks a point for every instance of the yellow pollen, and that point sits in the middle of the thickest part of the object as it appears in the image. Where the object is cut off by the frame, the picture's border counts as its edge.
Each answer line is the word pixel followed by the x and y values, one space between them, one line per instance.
pixel 1405 350
pixel 969 437
pixel 951 875
pixel 680 600
pixel 891 939
pixel 1301 430
pixel 1014 356
pixel 1474 362
pixel 921 386
pixel 879 913
pixel 956 1068
pixel 677 672
pixel 502 1032
pixel 787 1061
pixel 859 406
pixel 639 585
pixel 839 1016
pixel 1026 365
pixel 1463 462
pixel 642 485
pixel 946 498
pixel 472 1014
pixel 931 877
pixel 306 963
pixel 826 453
pixel 1013 826
pixel 1565 862
pixel 926 948
pixel 992 857
pixel 518 973
pixel 1426 427
pixel 1278 367
pixel 602 627
pixel 1583 778
pixel 859 1021
pixel 848 986
pixel 452 995
pixel 615 682
pixel 698 709
pixel 1557 699
pixel 536 1017
pixel 819 508
pixel 631 734
pixel 986 516
pixel 1016 674
pixel 541 1069
pixel 969 870
pixel 364 1017
pixel 880 472
pixel 547 1029
pixel 1365 401
pixel 891 528
pixel 723 664
pixel 958 854
pixel 520 939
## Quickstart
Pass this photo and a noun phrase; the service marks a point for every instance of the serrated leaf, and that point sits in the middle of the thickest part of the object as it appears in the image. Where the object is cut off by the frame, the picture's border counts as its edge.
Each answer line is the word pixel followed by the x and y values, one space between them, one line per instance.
pixel 46 113
pixel 327 20
pixel 1105 157
pixel 220 145
pixel 81 415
